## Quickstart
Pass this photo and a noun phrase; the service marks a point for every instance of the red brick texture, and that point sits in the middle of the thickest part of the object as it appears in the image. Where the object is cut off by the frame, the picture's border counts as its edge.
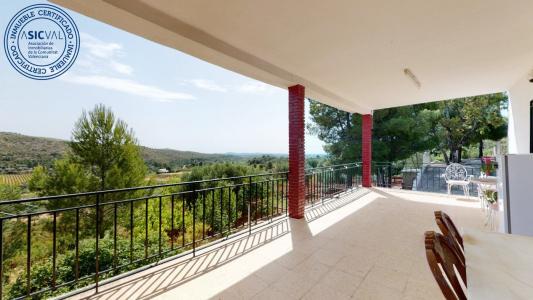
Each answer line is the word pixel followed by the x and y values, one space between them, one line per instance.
pixel 367 150
pixel 296 151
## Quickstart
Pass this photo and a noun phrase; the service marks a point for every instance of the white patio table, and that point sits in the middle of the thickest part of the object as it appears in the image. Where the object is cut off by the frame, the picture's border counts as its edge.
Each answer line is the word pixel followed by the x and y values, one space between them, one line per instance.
pixel 491 182
pixel 498 266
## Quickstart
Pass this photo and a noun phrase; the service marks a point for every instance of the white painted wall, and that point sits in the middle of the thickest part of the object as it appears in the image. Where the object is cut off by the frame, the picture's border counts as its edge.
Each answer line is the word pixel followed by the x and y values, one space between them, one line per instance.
pixel 520 94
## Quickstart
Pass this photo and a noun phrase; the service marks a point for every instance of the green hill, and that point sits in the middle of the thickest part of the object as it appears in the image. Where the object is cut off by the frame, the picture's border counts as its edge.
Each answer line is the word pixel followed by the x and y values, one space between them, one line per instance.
pixel 19 153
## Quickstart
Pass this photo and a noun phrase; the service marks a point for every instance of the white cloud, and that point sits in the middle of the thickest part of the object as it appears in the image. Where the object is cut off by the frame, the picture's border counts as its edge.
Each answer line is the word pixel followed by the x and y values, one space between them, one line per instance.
pixel 255 87
pixel 207 85
pixel 102 67
pixel 99 48
pixel 102 56
pixel 247 87
pixel 121 68
pixel 127 86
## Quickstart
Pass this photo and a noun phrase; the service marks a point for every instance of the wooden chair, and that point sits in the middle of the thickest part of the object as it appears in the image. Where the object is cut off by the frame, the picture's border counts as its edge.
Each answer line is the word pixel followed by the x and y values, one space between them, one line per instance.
pixel 447 227
pixel 439 252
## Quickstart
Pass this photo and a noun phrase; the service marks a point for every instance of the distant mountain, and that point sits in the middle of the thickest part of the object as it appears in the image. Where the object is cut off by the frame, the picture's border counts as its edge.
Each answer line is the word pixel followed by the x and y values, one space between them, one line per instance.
pixel 256 154
pixel 21 152
pixel 173 159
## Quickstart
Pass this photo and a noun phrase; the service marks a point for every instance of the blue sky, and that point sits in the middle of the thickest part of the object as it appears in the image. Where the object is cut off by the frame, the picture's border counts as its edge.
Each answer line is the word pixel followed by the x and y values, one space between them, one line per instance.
pixel 170 99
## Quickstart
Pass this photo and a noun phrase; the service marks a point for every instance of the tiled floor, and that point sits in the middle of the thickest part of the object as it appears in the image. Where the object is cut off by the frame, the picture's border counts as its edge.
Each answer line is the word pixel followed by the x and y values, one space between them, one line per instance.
pixel 365 245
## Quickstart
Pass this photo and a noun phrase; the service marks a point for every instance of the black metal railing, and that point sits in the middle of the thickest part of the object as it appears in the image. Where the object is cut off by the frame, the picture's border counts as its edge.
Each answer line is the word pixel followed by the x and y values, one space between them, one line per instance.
pixel 431 178
pixel 381 174
pixel 326 182
pixel 88 237
pixel 55 244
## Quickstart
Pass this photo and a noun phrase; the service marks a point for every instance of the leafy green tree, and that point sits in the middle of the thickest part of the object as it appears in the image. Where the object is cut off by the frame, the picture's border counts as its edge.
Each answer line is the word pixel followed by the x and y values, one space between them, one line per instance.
pixel 397 132
pixel 220 170
pixel 269 163
pixel 467 121
pixel 9 192
pixel 104 154
pixel 38 180
pixel 341 131
pixel 313 162
pixel 41 278
pixel 108 148
pixel 65 177
pixel 238 192
pixel 400 132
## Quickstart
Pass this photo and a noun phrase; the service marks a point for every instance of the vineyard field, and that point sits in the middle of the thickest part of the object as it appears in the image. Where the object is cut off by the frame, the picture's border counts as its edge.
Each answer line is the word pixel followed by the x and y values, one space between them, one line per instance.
pixel 15 179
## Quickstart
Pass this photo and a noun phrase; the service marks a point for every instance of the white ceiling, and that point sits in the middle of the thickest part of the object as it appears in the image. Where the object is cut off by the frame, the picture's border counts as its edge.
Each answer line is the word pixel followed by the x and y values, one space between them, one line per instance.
pixel 350 54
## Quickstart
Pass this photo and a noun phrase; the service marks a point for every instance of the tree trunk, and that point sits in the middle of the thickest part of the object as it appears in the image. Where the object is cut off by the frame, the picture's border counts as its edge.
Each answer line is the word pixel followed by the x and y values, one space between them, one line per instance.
pixel 480 148
pixel 459 154
pixel 446 157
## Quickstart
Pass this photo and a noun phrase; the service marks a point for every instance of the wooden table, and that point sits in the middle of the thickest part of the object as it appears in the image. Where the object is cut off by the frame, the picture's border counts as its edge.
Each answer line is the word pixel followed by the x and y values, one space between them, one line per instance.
pixel 498 266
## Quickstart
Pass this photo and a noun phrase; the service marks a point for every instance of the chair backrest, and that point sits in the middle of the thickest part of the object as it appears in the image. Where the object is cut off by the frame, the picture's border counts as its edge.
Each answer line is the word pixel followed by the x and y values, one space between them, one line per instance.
pixel 456 172
pixel 447 226
pixel 448 229
pixel 439 252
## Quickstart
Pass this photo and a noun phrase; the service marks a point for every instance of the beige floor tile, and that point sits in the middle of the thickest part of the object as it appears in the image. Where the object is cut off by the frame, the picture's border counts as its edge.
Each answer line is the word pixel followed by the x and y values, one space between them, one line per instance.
pixel 229 294
pixel 312 270
pixel 271 273
pixel 273 294
pixel 322 291
pixel 387 277
pixel 328 257
pixel 342 282
pixel 294 285
pixel 292 259
pixel 397 262
pixel 355 265
pixel 416 289
pixel 420 271
pixel 248 287
pixel 373 291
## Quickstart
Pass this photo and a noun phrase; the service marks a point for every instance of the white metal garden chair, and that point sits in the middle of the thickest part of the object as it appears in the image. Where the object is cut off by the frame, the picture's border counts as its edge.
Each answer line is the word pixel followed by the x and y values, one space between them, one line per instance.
pixel 456 174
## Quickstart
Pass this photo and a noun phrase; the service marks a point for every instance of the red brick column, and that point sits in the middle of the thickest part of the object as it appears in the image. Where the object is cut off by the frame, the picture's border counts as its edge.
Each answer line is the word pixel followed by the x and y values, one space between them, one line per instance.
pixel 296 152
pixel 367 150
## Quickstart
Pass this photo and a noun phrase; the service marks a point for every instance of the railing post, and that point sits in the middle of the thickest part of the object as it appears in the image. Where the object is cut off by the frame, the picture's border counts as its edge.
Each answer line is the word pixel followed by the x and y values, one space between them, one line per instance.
pixel 97 250
pixel 172 220
pixel 115 259
pixel 54 253
pixel 389 182
pixel 1 258
pixel 194 224
pixel 77 273
pixel 249 221
pixel 229 211
pixel 249 196
pixel 28 258
pixel 286 194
